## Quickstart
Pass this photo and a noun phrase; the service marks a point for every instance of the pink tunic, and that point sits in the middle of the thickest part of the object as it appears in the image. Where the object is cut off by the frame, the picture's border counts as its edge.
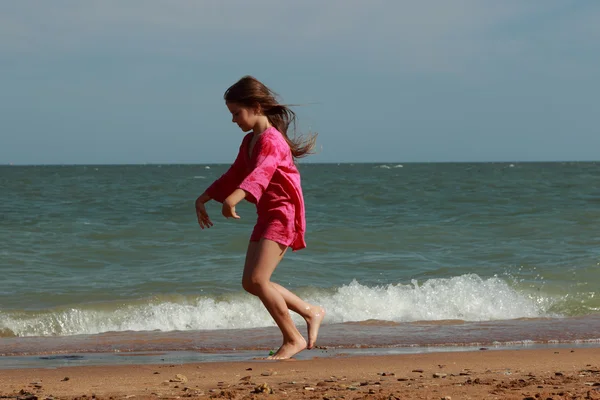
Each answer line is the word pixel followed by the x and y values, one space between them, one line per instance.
pixel 272 182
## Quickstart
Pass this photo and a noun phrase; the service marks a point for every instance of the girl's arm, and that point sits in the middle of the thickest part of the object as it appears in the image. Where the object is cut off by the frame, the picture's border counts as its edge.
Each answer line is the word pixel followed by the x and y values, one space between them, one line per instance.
pixel 222 187
pixel 269 155
pixel 203 218
pixel 228 209
pixel 203 198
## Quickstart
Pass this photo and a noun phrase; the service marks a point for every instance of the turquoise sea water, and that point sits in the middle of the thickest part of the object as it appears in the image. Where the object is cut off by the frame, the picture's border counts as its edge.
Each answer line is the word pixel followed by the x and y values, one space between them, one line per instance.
pixel 113 254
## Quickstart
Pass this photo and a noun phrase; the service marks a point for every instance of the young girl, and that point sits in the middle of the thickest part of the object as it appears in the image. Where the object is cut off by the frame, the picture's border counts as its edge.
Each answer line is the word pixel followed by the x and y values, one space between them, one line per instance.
pixel 264 173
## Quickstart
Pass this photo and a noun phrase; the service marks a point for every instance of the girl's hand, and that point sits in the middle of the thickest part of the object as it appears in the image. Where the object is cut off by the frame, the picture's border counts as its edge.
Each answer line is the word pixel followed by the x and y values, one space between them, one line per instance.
pixel 228 210
pixel 203 218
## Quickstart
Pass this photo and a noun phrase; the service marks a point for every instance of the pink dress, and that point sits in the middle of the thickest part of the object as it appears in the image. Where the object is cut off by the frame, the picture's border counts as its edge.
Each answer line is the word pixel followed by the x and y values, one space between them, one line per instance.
pixel 272 182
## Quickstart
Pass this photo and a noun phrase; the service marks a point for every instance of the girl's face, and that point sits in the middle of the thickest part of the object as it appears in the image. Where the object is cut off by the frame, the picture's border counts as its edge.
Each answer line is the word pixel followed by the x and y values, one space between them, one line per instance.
pixel 245 117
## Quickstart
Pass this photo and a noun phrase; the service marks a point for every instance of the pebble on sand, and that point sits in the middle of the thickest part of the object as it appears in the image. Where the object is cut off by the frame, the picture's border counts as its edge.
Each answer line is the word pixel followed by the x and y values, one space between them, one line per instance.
pixel 179 378
pixel 263 388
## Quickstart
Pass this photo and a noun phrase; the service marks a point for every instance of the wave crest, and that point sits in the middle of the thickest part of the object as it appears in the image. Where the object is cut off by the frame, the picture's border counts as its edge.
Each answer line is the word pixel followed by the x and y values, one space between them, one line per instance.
pixel 466 297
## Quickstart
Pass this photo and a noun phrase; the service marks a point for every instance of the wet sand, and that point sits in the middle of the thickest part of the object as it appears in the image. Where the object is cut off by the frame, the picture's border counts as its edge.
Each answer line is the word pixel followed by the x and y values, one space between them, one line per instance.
pixel 561 373
pixel 365 334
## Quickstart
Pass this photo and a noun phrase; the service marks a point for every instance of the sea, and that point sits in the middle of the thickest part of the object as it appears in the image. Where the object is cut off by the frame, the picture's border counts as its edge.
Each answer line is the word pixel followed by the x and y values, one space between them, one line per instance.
pixel 107 263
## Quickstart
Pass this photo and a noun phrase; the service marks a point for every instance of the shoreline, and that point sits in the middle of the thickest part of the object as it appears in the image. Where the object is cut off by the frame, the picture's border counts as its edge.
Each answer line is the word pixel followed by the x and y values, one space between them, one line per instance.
pixel 350 335
pixel 566 372
pixel 121 358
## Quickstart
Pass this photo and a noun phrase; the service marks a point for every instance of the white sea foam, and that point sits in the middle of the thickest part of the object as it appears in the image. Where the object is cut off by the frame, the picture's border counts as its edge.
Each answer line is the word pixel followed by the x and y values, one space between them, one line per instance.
pixel 466 297
pixel 385 166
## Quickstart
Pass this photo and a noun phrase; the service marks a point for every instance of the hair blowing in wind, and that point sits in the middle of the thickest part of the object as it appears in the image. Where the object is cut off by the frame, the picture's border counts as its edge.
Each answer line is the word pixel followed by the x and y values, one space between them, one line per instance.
pixel 250 92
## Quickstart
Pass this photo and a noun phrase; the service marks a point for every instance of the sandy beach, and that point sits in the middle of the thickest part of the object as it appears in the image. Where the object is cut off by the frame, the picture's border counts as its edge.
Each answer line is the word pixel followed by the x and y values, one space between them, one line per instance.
pixel 565 373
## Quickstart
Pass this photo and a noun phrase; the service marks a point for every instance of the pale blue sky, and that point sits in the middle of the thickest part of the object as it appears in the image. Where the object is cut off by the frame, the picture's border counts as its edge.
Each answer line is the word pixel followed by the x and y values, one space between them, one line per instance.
pixel 385 81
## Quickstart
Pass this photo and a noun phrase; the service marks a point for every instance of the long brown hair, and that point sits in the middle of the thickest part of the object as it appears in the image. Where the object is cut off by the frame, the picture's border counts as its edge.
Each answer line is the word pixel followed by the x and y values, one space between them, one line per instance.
pixel 250 92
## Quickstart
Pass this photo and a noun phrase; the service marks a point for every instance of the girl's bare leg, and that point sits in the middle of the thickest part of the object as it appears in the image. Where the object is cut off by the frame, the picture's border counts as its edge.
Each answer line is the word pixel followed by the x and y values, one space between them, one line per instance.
pixel 261 260
pixel 313 315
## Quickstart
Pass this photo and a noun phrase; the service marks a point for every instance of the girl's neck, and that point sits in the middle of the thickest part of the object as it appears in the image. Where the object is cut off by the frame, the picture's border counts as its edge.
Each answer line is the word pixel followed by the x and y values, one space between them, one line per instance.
pixel 261 125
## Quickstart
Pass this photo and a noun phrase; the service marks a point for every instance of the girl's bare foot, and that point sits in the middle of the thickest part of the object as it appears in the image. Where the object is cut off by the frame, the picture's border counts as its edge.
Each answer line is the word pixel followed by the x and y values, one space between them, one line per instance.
pixel 289 349
pixel 313 322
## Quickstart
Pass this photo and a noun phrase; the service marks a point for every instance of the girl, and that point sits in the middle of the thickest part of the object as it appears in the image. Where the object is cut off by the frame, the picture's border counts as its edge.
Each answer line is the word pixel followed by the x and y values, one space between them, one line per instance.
pixel 264 173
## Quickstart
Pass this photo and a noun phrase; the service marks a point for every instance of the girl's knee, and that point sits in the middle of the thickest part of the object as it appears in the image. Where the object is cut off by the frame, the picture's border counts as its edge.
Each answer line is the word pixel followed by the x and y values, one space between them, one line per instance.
pixel 253 286
pixel 248 287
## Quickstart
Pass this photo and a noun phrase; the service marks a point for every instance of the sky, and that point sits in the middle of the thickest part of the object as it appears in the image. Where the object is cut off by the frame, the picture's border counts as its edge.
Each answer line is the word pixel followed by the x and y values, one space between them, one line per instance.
pixel 142 81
